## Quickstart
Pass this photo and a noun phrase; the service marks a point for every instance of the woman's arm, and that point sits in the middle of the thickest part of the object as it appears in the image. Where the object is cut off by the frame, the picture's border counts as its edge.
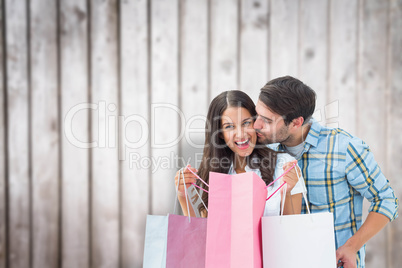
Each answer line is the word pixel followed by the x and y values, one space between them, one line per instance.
pixel 292 204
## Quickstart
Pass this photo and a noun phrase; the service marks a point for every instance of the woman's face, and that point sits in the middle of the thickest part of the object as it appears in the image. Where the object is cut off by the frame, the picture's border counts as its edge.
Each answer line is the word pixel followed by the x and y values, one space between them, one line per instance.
pixel 237 130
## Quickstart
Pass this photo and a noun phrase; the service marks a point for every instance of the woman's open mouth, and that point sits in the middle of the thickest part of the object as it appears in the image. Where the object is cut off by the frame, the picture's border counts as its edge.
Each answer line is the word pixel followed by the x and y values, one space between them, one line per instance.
pixel 243 144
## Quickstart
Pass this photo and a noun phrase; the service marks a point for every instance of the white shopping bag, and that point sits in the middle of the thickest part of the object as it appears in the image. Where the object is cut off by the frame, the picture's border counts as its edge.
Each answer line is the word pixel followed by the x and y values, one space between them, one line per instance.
pixel 302 241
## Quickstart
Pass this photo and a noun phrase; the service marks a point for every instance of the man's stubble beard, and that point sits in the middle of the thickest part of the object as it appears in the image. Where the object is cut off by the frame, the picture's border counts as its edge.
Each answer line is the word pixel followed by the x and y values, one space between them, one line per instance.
pixel 282 137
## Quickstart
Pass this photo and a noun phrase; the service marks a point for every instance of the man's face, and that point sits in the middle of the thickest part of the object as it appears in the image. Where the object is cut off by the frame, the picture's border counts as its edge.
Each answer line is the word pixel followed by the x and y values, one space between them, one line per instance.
pixel 270 127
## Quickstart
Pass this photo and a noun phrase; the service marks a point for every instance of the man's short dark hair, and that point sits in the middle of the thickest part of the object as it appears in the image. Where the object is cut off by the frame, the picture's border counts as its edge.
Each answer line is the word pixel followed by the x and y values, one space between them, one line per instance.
pixel 289 97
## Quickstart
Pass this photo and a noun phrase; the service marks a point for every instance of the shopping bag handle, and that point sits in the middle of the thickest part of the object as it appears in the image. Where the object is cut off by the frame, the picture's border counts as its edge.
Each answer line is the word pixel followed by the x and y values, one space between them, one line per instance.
pixel 284 173
pixel 303 193
pixel 283 184
pixel 181 173
pixel 199 196
pixel 198 177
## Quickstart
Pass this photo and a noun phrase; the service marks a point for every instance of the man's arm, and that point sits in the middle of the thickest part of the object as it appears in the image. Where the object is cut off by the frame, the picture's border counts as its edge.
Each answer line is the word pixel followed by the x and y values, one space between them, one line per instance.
pixel 365 176
pixel 374 223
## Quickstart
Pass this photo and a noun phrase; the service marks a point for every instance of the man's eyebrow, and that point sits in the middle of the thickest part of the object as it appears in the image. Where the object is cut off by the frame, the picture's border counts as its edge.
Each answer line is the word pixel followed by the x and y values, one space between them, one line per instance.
pixel 266 118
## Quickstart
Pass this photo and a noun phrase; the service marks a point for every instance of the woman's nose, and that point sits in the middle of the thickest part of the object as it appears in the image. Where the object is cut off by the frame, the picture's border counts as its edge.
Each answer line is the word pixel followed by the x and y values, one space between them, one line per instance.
pixel 240 132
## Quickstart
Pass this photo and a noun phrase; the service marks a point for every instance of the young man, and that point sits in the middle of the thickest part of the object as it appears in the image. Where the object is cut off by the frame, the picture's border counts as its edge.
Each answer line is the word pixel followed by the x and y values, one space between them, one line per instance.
pixel 339 169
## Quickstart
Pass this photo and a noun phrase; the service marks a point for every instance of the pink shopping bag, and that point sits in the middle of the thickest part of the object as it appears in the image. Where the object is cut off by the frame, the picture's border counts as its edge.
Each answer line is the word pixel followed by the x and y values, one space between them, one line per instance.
pixel 235 207
pixel 186 242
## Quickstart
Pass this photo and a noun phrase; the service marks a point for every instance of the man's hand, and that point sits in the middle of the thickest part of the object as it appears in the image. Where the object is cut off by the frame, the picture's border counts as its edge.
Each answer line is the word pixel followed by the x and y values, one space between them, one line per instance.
pixel 347 253
pixel 346 257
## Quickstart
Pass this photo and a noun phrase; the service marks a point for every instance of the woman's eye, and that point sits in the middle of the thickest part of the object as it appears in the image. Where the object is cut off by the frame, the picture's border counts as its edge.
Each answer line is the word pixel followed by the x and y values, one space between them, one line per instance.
pixel 228 127
pixel 247 123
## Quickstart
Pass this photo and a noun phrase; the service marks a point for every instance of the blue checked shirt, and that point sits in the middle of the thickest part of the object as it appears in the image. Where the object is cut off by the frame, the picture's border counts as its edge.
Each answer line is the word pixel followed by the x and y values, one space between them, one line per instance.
pixel 339 170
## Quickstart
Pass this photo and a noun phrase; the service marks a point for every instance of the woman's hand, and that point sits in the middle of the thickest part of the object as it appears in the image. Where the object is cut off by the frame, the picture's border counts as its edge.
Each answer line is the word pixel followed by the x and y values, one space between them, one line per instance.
pixel 188 176
pixel 291 177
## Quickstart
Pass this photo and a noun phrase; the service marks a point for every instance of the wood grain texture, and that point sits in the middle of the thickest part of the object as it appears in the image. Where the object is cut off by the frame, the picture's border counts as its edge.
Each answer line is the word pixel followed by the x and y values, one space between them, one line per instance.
pixel 3 154
pixel 44 134
pixel 372 86
pixel 165 112
pixel 74 114
pixel 134 141
pixel 224 46
pixel 194 78
pixel 313 50
pixel 18 134
pixel 254 40
pixel 342 91
pixel 394 126
pixel 284 38
pixel 372 75
pixel 105 167
pixel 159 71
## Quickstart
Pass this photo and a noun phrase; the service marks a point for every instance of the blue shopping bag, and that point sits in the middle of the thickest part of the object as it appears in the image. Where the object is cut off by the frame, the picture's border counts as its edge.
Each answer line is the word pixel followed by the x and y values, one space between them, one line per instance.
pixel 156 241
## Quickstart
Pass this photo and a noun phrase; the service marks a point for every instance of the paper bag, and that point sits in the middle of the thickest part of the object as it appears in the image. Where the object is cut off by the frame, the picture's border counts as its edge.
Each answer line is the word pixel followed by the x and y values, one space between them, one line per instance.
pixel 175 241
pixel 303 241
pixel 155 241
pixel 235 207
pixel 186 242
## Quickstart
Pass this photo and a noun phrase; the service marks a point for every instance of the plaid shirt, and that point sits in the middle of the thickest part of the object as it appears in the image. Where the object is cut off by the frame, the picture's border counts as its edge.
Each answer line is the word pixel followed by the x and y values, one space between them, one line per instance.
pixel 339 170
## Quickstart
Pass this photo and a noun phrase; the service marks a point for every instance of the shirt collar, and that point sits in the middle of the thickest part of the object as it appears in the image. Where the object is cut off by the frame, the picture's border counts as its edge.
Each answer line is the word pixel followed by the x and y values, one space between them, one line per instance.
pixel 311 139
pixel 314 133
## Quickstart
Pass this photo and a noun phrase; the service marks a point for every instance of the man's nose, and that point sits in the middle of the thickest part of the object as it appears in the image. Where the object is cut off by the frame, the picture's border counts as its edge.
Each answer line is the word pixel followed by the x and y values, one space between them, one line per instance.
pixel 257 123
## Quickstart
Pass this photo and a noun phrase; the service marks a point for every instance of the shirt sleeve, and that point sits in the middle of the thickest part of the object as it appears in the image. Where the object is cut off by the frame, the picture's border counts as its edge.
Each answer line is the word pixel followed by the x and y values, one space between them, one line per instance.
pixel 365 176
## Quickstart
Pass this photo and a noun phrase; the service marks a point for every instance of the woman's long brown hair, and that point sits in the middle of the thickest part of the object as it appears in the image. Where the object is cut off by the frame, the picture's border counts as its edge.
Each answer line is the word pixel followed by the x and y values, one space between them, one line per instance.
pixel 217 156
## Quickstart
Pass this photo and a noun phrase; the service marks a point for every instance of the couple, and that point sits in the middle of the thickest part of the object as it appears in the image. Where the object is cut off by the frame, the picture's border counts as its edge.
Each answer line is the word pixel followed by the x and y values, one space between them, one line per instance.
pixel 337 168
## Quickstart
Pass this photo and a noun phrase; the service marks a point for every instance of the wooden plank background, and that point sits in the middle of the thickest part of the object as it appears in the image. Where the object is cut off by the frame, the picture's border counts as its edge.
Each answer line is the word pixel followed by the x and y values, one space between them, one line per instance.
pixel 102 101
pixel 135 108
pixel 44 133
pixel 3 154
pixel 18 153
pixel 74 83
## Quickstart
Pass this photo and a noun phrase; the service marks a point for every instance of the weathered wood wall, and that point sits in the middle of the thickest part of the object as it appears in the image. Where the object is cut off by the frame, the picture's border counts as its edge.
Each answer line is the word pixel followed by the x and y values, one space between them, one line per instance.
pixel 102 101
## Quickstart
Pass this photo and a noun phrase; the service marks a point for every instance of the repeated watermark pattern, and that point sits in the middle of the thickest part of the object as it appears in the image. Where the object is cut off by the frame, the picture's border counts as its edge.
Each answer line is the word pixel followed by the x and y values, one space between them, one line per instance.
pixel 132 134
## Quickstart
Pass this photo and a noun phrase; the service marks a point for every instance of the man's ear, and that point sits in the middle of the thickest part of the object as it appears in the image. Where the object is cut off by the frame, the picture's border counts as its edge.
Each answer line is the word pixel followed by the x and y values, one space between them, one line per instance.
pixel 298 122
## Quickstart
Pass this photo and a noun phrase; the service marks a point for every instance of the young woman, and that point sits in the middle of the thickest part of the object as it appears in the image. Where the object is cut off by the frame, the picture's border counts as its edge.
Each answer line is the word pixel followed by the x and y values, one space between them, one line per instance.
pixel 231 147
